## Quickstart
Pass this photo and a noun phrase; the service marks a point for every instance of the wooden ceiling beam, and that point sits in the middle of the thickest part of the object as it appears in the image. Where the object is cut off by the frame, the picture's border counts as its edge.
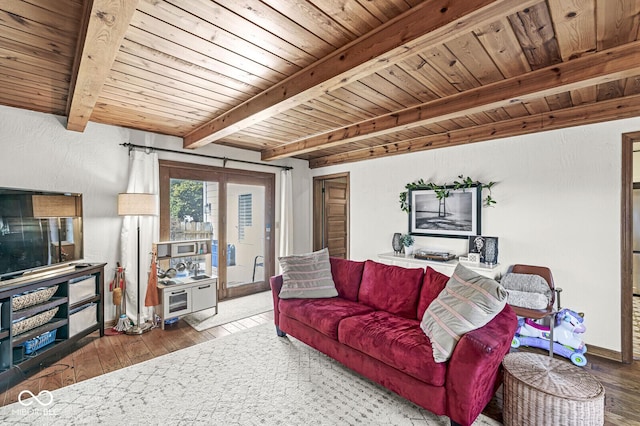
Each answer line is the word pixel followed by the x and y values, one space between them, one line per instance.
pixel 589 70
pixel 613 109
pixel 98 45
pixel 429 23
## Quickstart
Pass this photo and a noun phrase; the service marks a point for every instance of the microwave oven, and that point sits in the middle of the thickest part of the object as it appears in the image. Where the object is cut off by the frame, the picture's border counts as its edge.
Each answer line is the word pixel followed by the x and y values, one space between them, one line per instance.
pixel 187 248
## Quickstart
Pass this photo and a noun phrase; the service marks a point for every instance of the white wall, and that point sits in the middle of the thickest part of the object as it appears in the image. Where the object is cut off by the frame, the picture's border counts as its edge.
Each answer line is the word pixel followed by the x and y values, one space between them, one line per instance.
pixel 558 196
pixel 37 152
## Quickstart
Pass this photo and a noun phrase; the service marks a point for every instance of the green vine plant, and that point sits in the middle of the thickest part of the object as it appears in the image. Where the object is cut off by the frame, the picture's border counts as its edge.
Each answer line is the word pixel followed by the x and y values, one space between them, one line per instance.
pixel 443 191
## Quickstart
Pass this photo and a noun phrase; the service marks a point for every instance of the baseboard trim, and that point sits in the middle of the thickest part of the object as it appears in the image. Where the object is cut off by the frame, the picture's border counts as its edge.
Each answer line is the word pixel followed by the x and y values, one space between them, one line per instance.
pixel 604 353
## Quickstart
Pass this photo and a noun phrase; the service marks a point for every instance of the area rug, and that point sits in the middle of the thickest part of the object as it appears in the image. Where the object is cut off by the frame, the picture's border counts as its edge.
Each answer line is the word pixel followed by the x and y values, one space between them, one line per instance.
pixel 231 310
pixel 251 377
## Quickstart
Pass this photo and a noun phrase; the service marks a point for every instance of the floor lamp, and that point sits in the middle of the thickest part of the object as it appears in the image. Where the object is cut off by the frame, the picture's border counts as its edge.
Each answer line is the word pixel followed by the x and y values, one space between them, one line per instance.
pixel 138 204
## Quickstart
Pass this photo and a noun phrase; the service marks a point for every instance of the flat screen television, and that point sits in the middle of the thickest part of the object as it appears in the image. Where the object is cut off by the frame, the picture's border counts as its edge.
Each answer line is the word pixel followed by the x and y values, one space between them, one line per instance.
pixel 38 230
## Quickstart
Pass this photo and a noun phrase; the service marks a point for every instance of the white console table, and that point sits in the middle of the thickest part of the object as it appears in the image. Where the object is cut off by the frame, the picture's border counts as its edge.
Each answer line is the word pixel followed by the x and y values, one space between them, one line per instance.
pixel 446 268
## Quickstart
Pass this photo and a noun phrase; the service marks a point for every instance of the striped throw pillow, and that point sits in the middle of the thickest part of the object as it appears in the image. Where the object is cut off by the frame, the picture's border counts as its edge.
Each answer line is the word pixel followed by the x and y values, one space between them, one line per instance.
pixel 307 276
pixel 468 301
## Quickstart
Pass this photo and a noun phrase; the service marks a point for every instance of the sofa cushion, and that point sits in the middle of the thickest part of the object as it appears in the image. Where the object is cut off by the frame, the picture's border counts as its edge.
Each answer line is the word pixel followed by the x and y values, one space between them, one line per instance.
pixel 468 301
pixel 307 275
pixel 391 288
pixel 323 315
pixel 434 282
pixel 396 341
pixel 347 275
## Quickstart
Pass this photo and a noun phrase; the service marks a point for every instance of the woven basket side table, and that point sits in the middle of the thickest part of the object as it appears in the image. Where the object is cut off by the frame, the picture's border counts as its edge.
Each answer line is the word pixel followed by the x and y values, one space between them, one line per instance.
pixel 540 390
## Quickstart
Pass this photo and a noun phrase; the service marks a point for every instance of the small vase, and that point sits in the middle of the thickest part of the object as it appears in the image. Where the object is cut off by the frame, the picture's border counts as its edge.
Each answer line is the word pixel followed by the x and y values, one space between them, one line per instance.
pixel 396 243
pixel 408 251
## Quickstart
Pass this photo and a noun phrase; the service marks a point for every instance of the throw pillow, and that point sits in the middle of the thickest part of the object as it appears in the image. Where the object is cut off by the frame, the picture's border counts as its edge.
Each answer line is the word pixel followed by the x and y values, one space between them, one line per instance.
pixel 347 275
pixel 434 282
pixel 307 276
pixel 468 301
pixel 391 288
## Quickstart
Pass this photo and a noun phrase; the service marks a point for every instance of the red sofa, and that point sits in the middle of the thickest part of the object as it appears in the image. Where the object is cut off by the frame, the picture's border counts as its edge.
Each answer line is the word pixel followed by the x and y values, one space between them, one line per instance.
pixel 373 327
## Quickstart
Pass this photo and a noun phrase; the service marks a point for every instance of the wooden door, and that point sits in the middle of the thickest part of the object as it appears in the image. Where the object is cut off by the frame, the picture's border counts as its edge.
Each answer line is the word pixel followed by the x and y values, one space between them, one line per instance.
pixel 331 215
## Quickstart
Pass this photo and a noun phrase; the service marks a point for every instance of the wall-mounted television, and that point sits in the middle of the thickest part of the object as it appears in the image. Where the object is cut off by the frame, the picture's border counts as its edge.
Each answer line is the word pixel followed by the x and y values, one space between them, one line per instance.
pixel 38 230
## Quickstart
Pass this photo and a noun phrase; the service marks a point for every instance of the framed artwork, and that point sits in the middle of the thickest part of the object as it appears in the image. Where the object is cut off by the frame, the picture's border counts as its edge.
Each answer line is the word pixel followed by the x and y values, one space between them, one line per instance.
pixel 455 216
pixel 485 247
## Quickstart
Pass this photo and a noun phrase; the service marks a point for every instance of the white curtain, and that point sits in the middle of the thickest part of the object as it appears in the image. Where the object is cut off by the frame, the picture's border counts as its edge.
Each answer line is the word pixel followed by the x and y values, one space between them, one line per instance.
pixel 143 177
pixel 286 213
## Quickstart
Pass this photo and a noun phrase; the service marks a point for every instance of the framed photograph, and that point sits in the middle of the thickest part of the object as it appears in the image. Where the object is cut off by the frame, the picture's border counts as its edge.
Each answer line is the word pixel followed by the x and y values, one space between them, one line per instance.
pixel 485 247
pixel 455 216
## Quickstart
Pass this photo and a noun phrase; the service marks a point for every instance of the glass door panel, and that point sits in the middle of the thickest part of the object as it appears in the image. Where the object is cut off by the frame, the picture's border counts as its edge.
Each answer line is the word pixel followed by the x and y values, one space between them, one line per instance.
pixel 245 237
pixel 193 208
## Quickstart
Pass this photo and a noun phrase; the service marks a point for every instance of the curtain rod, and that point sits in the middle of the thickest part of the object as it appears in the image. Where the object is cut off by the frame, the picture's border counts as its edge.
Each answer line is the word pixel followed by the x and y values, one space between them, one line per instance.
pixel 224 159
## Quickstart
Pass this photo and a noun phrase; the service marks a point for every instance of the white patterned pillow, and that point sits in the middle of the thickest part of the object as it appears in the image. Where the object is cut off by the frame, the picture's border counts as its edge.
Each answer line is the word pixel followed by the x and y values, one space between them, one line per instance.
pixel 468 301
pixel 307 276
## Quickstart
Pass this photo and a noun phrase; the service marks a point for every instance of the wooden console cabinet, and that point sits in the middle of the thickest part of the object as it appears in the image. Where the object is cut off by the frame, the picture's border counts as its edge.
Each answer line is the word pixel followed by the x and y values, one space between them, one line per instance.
pixel 69 327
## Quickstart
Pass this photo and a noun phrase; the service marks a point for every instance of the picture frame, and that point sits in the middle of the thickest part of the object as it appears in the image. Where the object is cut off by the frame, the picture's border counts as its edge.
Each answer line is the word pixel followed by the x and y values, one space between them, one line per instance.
pixel 455 216
pixel 485 247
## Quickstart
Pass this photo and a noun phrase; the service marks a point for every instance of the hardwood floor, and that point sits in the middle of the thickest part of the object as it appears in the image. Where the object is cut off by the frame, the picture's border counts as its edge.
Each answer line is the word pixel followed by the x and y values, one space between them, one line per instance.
pixel 93 356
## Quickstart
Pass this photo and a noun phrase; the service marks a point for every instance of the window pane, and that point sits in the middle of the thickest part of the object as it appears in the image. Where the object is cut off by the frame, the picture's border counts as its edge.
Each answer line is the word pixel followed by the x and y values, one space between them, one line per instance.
pixel 193 213
pixel 244 214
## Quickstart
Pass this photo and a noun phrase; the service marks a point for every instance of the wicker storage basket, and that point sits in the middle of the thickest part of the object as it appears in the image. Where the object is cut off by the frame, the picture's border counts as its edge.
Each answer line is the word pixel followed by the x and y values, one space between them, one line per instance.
pixel 540 390
pixel 31 298
pixel 26 324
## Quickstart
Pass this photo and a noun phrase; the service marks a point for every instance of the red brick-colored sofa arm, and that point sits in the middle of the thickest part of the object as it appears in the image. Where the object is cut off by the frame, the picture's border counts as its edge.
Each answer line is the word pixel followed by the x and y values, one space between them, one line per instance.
pixel 475 371
pixel 276 285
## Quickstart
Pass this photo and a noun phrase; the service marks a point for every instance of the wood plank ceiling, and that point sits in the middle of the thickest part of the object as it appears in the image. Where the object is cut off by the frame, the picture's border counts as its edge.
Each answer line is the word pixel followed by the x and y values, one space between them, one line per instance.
pixel 329 81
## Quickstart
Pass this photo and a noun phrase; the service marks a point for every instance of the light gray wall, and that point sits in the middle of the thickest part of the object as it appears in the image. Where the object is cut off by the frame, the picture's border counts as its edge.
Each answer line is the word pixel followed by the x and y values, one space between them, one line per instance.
pixel 37 152
pixel 558 196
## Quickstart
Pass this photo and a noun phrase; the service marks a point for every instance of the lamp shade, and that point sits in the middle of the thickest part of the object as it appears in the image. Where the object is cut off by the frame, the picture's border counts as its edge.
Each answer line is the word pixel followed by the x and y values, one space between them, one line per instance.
pixel 137 204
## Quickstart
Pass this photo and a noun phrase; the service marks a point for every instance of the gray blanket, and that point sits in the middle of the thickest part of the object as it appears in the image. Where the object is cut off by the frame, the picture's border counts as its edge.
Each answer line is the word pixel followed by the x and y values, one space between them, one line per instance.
pixel 527 290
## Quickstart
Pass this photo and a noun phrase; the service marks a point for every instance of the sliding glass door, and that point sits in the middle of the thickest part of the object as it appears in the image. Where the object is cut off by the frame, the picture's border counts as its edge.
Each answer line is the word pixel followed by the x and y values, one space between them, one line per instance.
pixel 246 236
pixel 232 208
